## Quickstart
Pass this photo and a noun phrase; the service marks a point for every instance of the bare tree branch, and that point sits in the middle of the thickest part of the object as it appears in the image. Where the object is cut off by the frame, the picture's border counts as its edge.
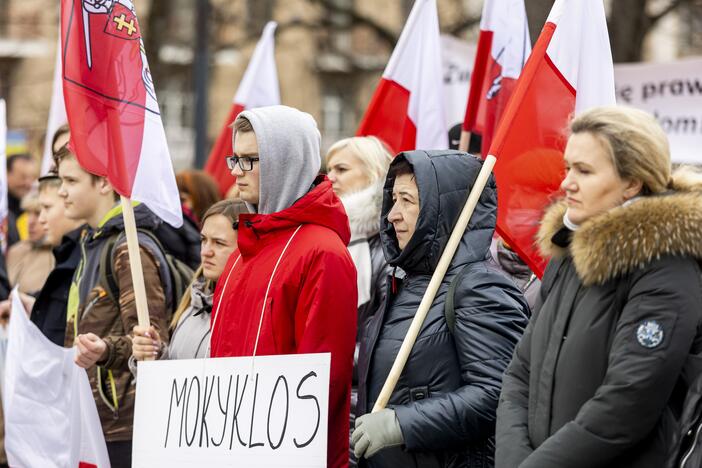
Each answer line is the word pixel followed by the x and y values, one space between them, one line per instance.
pixel 357 18
pixel 653 19
pixel 461 25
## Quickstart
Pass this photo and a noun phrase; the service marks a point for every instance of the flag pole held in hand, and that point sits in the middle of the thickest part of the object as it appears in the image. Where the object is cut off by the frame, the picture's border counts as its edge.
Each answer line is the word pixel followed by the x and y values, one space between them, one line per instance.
pixel 130 230
pixel 436 279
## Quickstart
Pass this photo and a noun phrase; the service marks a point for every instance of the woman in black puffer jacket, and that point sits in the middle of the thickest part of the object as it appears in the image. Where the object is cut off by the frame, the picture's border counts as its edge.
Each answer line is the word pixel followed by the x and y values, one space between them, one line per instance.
pixel 442 412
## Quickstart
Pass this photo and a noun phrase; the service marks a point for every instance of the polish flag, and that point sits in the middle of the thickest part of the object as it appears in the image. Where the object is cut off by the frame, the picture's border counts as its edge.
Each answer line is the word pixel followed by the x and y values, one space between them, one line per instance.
pixel 57 113
pixel 50 415
pixel 258 88
pixel 503 48
pixel 570 70
pixel 116 128
pixel 407 109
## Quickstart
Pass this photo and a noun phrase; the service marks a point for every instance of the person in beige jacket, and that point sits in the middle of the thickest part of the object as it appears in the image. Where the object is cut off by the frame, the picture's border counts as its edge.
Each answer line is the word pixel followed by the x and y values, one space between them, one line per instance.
pixel 30 261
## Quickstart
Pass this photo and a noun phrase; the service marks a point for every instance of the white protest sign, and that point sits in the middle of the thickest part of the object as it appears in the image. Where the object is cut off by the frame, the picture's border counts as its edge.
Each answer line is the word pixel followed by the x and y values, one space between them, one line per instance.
pixel 673 93
pixel 270 411
pixel 457 57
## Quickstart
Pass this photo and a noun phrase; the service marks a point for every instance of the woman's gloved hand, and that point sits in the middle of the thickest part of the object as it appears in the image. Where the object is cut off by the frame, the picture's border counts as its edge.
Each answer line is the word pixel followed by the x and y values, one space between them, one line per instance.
pixel 376 431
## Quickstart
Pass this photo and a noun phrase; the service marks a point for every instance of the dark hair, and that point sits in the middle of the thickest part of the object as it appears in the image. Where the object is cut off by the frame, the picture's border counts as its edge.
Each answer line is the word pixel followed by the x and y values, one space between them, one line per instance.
pixel 61 154
pixel 49 180
pixel 62 130
pixel 65 153
pixel 401 167
pixel 17 157
pixel 202 189
pixel 229 208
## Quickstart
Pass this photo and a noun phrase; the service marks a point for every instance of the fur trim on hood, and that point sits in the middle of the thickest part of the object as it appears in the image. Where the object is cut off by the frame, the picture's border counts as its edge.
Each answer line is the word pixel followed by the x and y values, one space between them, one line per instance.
pixel 363 210
pixel 629 237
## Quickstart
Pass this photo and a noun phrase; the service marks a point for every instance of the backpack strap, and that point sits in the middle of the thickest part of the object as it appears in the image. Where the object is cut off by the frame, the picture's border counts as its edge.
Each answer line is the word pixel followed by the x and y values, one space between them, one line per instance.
pixel 449 304
pixel 105 270
pixel 106 267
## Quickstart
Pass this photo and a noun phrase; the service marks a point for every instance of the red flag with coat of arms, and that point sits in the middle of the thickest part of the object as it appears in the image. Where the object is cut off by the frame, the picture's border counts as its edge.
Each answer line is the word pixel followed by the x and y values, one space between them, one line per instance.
pixel 503 48
pixel 113 114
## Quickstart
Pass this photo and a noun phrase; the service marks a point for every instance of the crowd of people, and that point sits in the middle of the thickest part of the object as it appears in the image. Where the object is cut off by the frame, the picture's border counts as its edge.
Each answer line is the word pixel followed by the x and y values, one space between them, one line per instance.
pixel 599 365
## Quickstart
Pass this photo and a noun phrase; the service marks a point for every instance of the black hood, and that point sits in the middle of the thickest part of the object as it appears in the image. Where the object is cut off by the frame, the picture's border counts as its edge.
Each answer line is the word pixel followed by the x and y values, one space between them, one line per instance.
pixel 444 179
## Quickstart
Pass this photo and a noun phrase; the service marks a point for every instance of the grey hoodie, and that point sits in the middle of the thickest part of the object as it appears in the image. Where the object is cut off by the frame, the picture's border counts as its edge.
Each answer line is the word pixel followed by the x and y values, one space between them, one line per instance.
pixel 288 147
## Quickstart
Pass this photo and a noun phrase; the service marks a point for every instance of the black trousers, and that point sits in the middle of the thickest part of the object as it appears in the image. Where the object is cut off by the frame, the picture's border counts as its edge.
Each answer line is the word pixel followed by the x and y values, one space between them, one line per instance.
pixel 120 454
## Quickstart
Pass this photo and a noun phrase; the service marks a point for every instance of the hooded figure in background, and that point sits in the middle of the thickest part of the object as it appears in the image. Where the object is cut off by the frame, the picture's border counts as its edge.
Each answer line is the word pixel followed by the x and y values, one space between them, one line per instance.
pixel 442 411
pixel 290 287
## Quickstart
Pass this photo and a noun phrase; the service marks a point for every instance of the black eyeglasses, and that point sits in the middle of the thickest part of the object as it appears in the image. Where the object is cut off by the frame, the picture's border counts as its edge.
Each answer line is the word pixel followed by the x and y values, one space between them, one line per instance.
pixel 245 163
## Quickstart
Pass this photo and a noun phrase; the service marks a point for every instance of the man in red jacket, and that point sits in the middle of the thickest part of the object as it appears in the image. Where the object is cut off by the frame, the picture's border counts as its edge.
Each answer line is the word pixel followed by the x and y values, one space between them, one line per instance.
pixel 291 285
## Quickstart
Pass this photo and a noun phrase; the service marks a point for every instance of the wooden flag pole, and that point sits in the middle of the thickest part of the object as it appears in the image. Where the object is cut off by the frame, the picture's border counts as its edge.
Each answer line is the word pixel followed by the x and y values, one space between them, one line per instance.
pixel 434 284
pixel 130 230
pixel 465 141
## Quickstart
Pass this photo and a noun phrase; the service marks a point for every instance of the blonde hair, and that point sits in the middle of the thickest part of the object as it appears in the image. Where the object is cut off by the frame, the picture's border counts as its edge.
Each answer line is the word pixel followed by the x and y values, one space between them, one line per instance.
pixel 372 152
pixel 635 141
pixel 30 203
pixel 230 209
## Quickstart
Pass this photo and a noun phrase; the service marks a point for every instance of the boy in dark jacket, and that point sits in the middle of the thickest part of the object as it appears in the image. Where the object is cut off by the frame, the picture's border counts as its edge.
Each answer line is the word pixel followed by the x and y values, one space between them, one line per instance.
pixel 442 411
pixel 49 310
pixel 98 324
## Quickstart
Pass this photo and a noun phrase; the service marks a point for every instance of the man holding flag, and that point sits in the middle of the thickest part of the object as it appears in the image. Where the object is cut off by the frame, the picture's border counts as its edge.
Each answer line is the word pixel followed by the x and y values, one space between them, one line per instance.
pixel 97 323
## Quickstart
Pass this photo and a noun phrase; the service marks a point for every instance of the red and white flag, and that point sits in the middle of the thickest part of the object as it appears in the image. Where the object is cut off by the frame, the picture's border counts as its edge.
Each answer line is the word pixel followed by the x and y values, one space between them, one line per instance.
pixel 259 87
pixel 50 415
pixel 116 128
pixel 57 113
pixel 503 48
pixel 407 109
pixel 570 70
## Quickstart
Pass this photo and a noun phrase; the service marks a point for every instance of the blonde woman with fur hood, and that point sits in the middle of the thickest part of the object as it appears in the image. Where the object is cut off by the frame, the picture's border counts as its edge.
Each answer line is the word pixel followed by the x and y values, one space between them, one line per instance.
pixel 356 168
pixel 602 376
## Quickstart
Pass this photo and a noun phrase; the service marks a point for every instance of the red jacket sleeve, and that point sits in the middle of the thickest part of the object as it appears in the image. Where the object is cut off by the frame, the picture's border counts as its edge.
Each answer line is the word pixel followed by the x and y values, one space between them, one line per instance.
pixel 325 321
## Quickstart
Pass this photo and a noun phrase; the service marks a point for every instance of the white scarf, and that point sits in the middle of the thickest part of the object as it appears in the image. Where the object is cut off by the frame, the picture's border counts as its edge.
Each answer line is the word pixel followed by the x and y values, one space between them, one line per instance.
pixel 363 210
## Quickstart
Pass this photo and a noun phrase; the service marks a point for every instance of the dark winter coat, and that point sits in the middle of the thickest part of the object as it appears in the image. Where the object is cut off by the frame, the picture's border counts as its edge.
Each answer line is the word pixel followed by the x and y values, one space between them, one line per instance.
pixel 599 378
pixel 49 310
pixel 366 249
pixel 514 267
pixel 446 398
pixel 686 449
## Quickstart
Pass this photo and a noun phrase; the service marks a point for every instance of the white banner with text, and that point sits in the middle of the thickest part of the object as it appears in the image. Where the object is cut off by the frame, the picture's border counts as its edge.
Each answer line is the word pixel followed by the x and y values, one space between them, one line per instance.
pixel 672 92
pixel 268 411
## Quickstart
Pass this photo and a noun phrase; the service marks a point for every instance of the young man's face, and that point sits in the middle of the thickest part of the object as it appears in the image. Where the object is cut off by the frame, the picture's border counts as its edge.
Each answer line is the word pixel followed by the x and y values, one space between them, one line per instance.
pixel 247 182
pixel 52 216
pixel 79 191
pixel 21 177
pixel 405 208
